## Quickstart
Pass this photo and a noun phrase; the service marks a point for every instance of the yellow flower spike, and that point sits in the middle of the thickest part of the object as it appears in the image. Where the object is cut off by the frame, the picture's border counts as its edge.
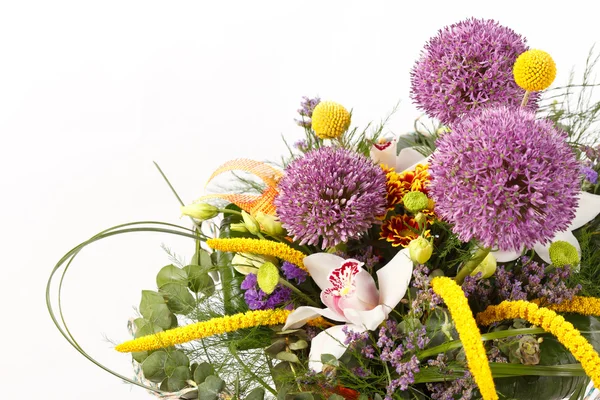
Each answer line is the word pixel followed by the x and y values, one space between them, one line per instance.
pixel 256 246
pixel 469 334
pixel 555 324
pixel 330 120
pixel 579 305
pixel 200 330
pixel 534 70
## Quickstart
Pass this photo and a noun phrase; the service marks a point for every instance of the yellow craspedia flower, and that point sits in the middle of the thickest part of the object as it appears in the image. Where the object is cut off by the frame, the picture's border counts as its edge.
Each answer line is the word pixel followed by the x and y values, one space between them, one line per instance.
pixel 534 70
pixel 330 120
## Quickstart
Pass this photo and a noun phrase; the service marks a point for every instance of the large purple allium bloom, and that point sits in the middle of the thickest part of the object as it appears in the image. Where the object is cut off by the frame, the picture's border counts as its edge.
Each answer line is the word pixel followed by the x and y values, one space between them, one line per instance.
pixel 466 66
pixel 504 178
pixel 329 196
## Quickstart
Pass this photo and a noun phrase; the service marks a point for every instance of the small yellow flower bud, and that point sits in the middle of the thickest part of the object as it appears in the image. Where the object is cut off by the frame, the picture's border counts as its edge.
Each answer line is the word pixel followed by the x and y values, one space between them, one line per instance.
pixel 200 211
pixel 270 224
pixel 250 223
pixel 421 219
pixel 487 267
pixel 238 227
pixel 420 250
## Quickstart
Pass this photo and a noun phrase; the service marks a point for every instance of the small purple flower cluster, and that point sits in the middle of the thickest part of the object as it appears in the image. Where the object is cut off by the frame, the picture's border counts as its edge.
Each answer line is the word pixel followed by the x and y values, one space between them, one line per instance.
pixel 589 174
pixel 425 297
pixel 365 256
pixel 462 387
pixel 259 300
pixel 306 109
pixel 293 273
pixel 528 280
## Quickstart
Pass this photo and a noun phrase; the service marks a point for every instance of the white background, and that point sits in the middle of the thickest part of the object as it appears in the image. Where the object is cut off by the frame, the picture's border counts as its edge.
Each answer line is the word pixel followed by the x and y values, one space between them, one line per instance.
pixel 92 92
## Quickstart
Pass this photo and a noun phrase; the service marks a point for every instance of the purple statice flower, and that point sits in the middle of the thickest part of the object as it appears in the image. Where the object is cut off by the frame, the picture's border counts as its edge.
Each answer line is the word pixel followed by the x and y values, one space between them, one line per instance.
pixel 589 174
pixel 329 196
pixel 292 272
pixel 462 387
pixel 425 299
pixel 259 300
pixel 478 289
pixel 361 372
pixel 366 256
pixel 554 290
pixel 466 66
pixel 505 178
pixel 509 288
pixel 306 109
pixel 301 145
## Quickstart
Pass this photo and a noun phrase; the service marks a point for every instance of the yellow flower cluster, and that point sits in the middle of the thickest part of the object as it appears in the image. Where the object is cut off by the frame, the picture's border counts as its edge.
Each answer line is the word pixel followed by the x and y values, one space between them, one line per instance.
pixel 534 70
pixel 200 330
pixel 257 246
pixel 579 305
pixel 468 332
pixel 548 320
pixel 330 120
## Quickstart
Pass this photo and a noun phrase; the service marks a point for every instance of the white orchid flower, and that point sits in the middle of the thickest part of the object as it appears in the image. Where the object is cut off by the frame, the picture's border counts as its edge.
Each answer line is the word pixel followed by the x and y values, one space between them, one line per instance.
pixel 351 296
pixel 384 152
pixel 588 208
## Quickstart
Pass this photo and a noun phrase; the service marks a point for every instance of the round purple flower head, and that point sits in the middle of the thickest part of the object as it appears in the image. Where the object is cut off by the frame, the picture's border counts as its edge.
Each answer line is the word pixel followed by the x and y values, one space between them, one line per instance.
pixel 504 178
pixel 329 196
pixel 466 66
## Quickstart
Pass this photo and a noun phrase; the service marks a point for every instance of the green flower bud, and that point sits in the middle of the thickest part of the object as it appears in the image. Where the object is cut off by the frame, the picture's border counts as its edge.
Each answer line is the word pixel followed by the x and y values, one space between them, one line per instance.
pixel 270 224
pixel 528 351
pixel 250 223
pixel 246 263
pixel 415 202
pixel 200 211
pixel 487 267
pixel 563 253
pixel 238 227
pixel 421 219
pixel 267 277
pixel 420 250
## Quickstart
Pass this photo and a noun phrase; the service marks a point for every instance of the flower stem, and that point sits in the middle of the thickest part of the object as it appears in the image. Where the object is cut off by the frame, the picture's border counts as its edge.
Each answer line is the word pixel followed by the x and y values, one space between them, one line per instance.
pixel 525 98
pixel 470 265
pixel 298 292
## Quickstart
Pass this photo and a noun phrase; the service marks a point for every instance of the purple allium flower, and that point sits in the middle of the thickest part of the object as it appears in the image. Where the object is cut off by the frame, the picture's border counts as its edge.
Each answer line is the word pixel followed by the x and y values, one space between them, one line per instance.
pixel 589 174
pixel 329 196
pixel 468 65
pixel 504 178
pixel 292 272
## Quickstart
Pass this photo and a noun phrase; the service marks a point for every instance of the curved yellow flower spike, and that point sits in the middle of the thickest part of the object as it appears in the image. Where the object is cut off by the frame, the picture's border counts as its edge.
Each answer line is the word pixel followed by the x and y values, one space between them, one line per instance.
pixel 257 246
pixel 555 324
pixel 469 334
pixel 579 305
pixel 251 203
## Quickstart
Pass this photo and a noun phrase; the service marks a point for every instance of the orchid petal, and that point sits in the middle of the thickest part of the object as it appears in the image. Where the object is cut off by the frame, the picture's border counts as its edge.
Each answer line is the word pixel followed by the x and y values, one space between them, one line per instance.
pixel 408 157
pixel 366 290
pixel 353 301
pixel 301 315
pixel 587 210
pixel 369 319
pixel 386 156
pixel 506 255
pixel 330 341
pixel 394 279
pixel 425 160
pixel 320 265
pixel 543 250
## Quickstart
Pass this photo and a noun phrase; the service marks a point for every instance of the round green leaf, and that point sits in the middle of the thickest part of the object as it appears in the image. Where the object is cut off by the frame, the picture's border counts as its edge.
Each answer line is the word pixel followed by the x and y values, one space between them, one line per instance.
pixel 285 356
pixel 210 388
pixel 203 371
pixel 144 328
pixel 176 359
pixel 153 367
pixel 171 274
pixel 198 279
pixel 299 345
pixel 178 379
pixel 154 309
pixel 178 298
pixel 203 258
pixel 256 394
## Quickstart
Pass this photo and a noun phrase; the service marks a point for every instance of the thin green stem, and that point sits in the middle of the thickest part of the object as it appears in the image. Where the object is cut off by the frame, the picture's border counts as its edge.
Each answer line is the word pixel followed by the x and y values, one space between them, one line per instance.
pixel 298 292
pixel 470 265
pixel 258 379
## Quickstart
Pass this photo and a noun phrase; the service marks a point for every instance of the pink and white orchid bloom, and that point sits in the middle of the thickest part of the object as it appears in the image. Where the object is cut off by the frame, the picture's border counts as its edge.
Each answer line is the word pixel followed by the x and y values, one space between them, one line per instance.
pixel 587 209
pixel 351 296
pixel 384 152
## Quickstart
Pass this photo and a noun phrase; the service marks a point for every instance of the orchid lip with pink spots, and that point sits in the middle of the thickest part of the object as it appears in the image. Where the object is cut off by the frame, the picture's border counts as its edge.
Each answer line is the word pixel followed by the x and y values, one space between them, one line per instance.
pixel 351 296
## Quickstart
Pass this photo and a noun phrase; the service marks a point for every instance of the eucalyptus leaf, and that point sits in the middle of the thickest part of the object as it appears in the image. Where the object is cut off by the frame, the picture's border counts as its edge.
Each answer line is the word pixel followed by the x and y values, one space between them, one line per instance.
pixel 202 258
pixel 299 345
pixel 285 356
pixel 154 309
pixel 210 388
pixel 203 371
pixel 330 359
pixel 178 379
pixel 199 280
pixel 276 347
pixel 178 298
pixel 176 358
pixel 256 394
pixel 153 366
pixel 171 274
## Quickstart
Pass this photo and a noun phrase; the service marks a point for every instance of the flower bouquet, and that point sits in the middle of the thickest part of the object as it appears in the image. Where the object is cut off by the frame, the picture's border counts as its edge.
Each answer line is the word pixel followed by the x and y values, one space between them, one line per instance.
pixel 460 261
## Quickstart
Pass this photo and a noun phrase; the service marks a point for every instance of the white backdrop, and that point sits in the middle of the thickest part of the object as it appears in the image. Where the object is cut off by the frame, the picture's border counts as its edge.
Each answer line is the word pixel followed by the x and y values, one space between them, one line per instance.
pixel 92 92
